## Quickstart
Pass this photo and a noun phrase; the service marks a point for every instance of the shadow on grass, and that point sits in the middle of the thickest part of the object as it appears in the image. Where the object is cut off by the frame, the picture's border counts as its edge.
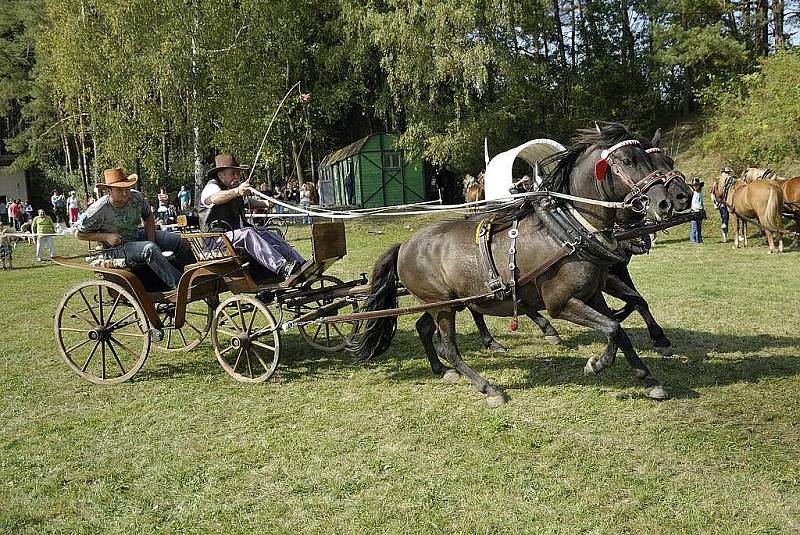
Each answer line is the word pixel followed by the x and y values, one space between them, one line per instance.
pixel 690 370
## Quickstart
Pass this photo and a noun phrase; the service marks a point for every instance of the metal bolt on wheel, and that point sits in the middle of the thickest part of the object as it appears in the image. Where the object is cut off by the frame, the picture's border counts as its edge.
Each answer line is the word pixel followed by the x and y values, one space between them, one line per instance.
pixel 102 332
pixel 246 339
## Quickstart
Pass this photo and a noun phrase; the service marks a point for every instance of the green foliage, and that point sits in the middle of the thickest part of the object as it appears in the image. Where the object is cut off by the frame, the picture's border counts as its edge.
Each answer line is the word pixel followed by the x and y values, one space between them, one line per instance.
pixel 160 86
pixel 755 118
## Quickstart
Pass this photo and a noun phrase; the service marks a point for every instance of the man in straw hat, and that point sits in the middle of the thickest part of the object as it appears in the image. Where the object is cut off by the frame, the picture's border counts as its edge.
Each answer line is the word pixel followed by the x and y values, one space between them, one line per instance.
pixel 221 207
pixel 696 234
pixel 114 220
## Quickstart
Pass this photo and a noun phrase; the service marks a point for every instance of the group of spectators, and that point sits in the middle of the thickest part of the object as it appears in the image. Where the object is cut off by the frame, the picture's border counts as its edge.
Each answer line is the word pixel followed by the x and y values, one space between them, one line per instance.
pixel 305 195
pixel 167 212
pixel 15 212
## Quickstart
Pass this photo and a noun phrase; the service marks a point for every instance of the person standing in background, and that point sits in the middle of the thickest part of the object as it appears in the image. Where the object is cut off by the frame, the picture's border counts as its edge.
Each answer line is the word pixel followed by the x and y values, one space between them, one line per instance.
pixel 73 207
pixel 42 226
pixel 14 213
pixel 59 206
pixel 28 211
pixel 3 211
pixel 184 199
pixel 163 200
pixel 305 201
pixel 696 234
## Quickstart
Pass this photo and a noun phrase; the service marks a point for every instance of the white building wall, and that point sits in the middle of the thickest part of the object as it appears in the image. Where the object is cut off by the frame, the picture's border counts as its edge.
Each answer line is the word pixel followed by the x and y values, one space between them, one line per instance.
pixel 12 184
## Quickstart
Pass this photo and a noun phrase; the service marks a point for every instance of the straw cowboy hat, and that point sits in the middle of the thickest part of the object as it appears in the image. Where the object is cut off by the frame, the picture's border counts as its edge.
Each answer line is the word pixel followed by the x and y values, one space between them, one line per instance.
pixel 696 183
pixel 115 178
pixel 225 161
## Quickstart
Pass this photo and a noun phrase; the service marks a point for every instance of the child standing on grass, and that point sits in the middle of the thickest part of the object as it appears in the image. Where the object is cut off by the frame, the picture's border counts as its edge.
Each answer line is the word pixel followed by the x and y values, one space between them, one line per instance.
pixel 42 225
pixel 696 234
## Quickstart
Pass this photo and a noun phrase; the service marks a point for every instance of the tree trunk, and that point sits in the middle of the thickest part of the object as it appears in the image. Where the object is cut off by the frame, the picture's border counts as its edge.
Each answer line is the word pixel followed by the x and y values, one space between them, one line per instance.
pixel 747 25
pixel 83 142
pixel 562 53
pixel 627 34
pixel 762 31
pixel 777 18
pixel 199 181
pixel 572 46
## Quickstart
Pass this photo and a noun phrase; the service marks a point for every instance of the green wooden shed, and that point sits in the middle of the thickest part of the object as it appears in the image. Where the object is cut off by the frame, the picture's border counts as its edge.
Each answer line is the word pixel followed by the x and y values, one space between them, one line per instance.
pixel 381 174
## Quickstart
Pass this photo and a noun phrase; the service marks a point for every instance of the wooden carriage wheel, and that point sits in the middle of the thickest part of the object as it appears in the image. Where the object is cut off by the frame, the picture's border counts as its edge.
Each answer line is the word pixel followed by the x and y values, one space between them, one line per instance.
pixel 199 315
pixel 102 332
pixel 246 339
pixel 331 337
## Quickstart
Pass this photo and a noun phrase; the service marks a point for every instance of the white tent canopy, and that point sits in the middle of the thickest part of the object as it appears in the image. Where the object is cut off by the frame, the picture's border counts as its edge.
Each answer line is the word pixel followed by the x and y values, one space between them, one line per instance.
pixel 499 177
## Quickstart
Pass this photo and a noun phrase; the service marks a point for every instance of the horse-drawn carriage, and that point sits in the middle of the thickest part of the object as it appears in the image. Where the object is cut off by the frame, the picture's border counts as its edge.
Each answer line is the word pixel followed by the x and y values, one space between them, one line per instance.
pixel 105 327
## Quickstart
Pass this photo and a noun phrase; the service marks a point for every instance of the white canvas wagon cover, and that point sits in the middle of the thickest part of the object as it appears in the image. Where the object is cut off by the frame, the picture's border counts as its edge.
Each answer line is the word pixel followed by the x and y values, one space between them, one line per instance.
pixel 499 177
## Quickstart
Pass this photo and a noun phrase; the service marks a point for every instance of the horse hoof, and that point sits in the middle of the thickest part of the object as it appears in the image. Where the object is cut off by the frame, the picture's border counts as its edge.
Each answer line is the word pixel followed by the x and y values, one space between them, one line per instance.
pixel 451 377
pixel 664 351
pixel 496 346
pixel 589 369
pixel 553 339
pixel 495 400
pixel 656 392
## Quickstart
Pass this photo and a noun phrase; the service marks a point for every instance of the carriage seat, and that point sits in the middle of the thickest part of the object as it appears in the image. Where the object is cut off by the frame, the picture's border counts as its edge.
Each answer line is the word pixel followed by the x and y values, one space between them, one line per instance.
pixel 328 244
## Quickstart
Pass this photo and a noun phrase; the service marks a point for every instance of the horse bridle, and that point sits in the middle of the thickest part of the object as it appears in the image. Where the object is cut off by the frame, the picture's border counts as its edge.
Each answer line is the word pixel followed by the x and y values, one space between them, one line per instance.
pixel 670 175
pixel 637 197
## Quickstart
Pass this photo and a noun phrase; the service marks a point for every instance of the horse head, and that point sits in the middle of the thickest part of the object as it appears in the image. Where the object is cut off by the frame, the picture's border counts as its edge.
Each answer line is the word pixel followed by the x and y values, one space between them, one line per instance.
pixel 678 192
pixel 469 180
pixel 722 184
pixel 610 164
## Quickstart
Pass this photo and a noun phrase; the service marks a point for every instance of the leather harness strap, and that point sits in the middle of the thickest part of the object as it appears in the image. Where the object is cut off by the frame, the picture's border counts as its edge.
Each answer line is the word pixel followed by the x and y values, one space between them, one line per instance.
pixel 564 251
pixel 483 236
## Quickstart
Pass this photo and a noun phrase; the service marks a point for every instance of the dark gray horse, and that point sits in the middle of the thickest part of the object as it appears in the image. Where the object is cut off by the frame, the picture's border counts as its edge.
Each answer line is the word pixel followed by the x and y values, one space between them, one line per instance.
pixel 619 283
pixel 440 263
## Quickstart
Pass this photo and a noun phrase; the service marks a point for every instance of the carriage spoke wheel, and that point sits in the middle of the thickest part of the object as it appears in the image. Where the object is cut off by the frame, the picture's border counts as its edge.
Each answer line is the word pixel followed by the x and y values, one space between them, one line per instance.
pixel 102 332
pixel 194 330
pixel 246 339
pixel 329 337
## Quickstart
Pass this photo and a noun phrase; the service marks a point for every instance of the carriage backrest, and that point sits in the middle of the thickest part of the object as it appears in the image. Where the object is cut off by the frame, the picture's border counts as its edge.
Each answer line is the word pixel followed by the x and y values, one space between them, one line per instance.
pixel 209 245
pixel 327 242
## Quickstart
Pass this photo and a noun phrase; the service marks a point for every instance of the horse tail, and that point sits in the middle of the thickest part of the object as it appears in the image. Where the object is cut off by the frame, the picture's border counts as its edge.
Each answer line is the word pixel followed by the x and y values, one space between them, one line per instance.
pixel 773 217
pixel 378 333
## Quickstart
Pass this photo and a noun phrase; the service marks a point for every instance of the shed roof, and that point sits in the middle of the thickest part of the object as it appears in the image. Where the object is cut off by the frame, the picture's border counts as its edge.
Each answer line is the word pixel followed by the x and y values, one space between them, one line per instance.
pixel 344 152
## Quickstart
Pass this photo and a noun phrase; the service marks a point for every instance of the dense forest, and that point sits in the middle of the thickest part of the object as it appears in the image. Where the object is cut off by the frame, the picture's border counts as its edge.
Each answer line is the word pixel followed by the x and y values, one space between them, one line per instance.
pixel 160 86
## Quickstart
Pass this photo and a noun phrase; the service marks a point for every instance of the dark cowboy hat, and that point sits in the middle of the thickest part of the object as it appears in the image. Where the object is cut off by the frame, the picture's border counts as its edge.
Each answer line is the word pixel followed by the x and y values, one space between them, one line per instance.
pixel 696 182
pixel 225 161
pixel 115 178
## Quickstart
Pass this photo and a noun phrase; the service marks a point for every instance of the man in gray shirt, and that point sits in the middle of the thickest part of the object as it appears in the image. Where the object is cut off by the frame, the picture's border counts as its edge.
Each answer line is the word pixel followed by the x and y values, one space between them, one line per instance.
pixel 114 220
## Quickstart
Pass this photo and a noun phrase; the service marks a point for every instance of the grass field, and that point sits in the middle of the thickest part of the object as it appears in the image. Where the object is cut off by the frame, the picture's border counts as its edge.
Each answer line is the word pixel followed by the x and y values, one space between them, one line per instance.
pixel 329 447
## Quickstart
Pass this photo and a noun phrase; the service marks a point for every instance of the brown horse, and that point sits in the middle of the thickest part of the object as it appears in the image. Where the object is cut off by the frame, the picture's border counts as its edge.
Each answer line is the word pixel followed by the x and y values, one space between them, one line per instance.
pixel 473 189
pixel 439 263
pixel 754 173
pixel 761 200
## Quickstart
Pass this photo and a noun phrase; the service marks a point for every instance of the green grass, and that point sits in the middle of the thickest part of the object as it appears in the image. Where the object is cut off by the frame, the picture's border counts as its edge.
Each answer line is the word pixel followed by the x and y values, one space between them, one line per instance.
pixel 328 447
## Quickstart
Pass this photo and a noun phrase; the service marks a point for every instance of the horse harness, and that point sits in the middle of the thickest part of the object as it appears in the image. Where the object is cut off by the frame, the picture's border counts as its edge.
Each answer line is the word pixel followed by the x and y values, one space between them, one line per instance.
pixel 566 224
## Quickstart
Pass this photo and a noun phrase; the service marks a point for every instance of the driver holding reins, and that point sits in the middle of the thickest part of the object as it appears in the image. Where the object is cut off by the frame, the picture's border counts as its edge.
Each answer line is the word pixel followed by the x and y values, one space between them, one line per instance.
pixel 221 208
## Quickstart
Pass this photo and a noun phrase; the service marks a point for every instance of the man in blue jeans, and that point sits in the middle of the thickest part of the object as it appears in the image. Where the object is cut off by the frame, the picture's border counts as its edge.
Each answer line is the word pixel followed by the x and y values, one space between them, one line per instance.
pixel 114 220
